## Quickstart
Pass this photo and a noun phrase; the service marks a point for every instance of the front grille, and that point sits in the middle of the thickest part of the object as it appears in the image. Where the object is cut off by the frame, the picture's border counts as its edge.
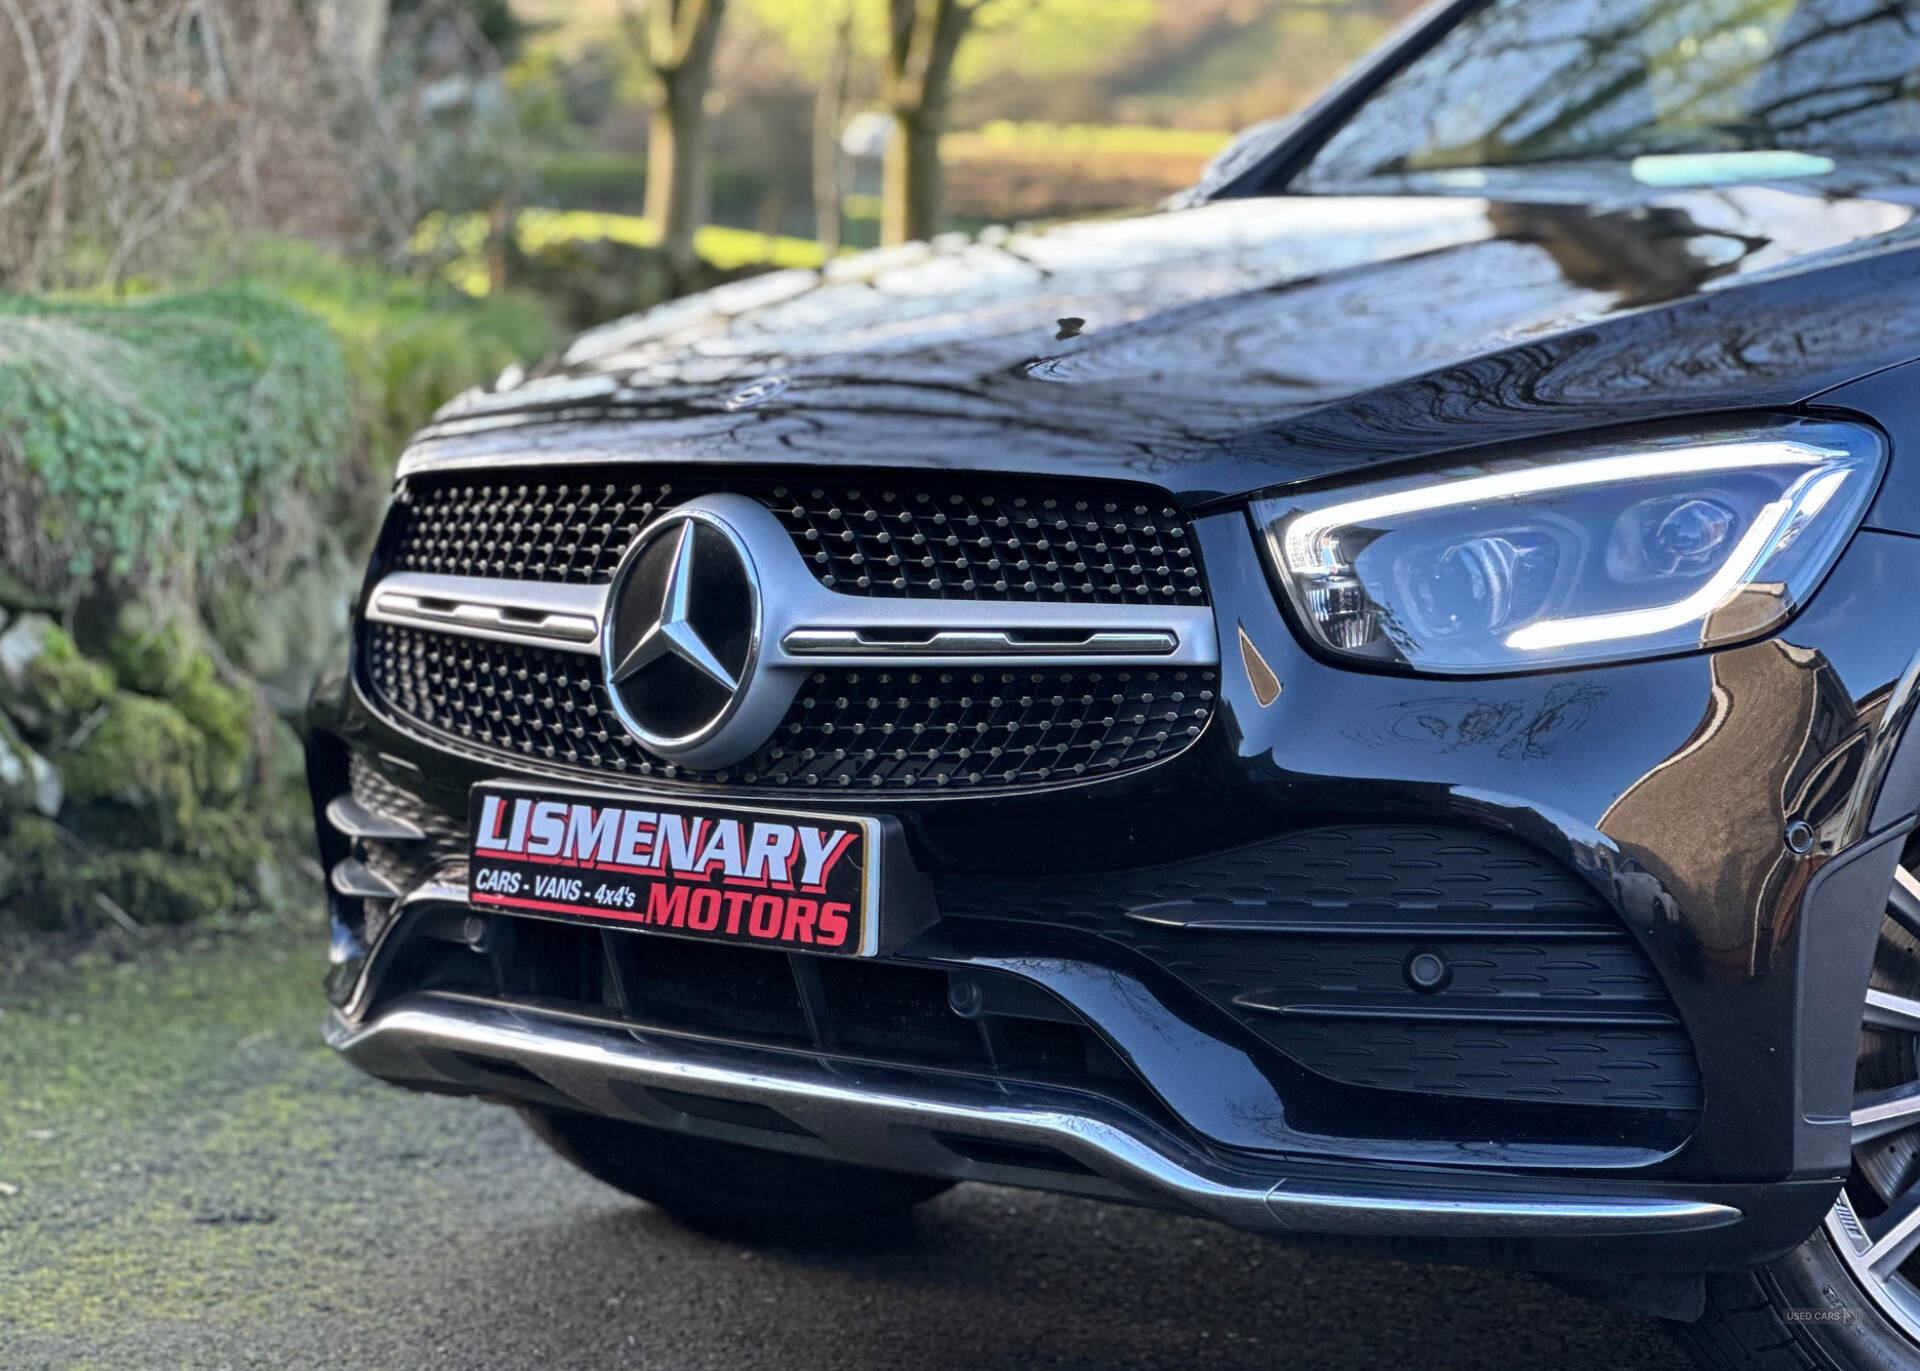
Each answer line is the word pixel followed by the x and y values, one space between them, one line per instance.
pixel 1313 943
pixel 893 730
pixel 942 538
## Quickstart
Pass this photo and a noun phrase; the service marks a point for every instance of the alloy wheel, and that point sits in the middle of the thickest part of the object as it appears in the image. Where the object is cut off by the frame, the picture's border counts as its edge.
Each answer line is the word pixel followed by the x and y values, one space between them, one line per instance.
pixel 1875 1223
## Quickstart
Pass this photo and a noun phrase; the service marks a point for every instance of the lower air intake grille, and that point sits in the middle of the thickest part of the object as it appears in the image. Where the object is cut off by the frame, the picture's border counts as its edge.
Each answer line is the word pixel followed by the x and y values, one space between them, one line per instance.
pixel 859 1009
pixel 869 729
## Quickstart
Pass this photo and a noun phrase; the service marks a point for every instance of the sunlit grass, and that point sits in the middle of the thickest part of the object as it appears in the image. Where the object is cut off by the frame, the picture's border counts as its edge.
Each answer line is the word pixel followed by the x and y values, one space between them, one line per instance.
pixel 534 229
pixel 1007 137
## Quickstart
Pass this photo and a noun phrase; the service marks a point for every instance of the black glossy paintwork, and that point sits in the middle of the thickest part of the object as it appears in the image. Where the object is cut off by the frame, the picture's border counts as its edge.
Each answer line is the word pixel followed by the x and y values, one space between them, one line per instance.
pixel 1249 342
pixel 1668 784
pixel 1243 343
pixel 1892 397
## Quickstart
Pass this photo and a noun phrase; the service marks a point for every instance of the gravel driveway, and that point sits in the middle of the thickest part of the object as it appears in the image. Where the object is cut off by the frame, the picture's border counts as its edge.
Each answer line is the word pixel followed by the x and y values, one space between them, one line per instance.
pixel 188 1180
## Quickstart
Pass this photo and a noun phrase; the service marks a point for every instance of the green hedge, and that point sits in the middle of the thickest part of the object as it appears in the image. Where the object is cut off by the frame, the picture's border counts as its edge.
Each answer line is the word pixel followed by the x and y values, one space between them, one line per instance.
pixel 157 428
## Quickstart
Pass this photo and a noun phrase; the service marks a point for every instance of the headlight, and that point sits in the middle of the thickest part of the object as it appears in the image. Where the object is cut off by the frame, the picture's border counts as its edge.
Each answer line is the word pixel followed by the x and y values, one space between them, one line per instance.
pixel 1595 553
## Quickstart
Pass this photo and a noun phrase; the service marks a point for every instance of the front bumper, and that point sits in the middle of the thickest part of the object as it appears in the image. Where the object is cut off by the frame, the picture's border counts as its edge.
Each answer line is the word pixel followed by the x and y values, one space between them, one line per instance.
pixel 1666 786
pixel 975 1132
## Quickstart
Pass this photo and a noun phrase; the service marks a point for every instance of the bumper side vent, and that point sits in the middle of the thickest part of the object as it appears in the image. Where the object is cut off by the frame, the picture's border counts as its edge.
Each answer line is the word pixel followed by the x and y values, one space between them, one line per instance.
pixel 1024 1156
pixel 1430 961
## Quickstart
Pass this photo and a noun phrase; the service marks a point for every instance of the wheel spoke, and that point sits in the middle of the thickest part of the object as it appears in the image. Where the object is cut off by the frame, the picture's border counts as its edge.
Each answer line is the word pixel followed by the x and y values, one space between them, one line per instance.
pixel 1887 1010
pixel 1894 1235
pixel 1882 1112
pixel 1905 902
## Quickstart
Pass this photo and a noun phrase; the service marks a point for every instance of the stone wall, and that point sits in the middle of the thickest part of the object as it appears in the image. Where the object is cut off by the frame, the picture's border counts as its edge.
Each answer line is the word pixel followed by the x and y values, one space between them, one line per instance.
pixel 138 782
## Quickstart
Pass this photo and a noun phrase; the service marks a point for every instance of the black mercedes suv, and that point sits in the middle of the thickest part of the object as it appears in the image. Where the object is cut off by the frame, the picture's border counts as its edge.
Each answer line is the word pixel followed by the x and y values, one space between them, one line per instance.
pixel 1376 702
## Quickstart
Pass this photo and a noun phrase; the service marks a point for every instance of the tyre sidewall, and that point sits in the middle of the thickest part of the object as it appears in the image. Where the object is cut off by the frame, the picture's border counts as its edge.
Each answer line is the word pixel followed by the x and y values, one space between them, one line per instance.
pixel 1814 1276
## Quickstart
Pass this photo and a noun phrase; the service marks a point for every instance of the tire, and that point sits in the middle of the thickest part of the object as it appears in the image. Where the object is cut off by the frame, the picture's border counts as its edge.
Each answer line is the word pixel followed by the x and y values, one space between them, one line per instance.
pixel 1848 1299
pixel 1746 1326
pixel 727 1189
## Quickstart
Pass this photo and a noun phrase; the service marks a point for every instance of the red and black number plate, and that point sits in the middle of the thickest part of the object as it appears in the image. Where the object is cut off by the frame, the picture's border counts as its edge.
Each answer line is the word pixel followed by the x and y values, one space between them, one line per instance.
pixel 804 882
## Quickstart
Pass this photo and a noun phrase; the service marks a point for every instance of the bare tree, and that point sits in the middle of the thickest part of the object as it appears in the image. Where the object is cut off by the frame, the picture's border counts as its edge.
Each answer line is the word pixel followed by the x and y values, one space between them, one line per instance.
pixel 121 118
pixel 130 127
pixel 676 40
pixel 922 38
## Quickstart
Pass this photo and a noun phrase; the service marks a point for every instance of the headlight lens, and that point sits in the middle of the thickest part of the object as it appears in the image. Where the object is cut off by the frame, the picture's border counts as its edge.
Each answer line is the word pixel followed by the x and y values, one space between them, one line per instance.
pixel 1598 552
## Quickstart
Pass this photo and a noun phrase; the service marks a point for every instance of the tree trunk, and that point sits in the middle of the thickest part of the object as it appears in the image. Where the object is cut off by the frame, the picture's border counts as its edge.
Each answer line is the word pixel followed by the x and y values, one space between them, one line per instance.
pixel 679 41
pixel 352 33
pixel 829 117
pixel 499 247
pixel 677 167
pixel 910 199
pixel 923 38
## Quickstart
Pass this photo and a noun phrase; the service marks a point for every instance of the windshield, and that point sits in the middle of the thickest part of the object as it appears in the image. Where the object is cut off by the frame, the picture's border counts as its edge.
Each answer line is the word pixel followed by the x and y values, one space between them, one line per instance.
pixel 1783 85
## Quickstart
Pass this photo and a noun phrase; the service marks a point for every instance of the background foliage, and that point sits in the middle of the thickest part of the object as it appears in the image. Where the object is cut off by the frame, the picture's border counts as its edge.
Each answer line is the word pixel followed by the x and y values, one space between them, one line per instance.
pixel 247 247
pixel 153 431
pixel 188 480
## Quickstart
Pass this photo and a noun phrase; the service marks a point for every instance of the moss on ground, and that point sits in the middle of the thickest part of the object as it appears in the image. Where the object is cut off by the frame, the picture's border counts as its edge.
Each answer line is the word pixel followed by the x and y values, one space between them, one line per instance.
pixel 188 1171
pixel 147 1116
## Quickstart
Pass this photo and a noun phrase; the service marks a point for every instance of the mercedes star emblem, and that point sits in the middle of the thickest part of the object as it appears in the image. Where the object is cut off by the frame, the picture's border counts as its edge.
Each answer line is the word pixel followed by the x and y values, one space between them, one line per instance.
pixel 673 631
pixel 682 637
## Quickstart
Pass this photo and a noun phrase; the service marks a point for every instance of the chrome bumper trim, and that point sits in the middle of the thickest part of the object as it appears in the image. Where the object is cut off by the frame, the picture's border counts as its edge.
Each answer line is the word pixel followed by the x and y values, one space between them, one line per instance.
pixel 441 1041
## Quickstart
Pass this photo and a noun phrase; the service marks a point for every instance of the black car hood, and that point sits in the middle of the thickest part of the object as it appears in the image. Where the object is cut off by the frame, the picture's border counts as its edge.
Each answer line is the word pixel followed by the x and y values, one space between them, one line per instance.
pixel 1239 344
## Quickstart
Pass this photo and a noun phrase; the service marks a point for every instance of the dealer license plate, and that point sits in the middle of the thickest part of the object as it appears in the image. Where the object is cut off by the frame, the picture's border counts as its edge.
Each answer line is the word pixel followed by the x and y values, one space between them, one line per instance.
pixel 802 882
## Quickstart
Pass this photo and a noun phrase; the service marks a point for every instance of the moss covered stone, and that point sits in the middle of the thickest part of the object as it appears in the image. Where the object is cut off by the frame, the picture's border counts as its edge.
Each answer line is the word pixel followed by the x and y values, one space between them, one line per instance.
pixel 146 764
pixel 160 428
pixel 46 685
pixel 28 781
pixel 150 651
pixel 167 657
pixel 161 816
pixel 229 841
pixel 38 882
pixel 222 716
pixel 66 682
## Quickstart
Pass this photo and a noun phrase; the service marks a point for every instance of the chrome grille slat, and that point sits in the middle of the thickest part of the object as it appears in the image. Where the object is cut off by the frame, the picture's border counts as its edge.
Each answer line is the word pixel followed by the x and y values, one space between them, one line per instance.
pixel 896 731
